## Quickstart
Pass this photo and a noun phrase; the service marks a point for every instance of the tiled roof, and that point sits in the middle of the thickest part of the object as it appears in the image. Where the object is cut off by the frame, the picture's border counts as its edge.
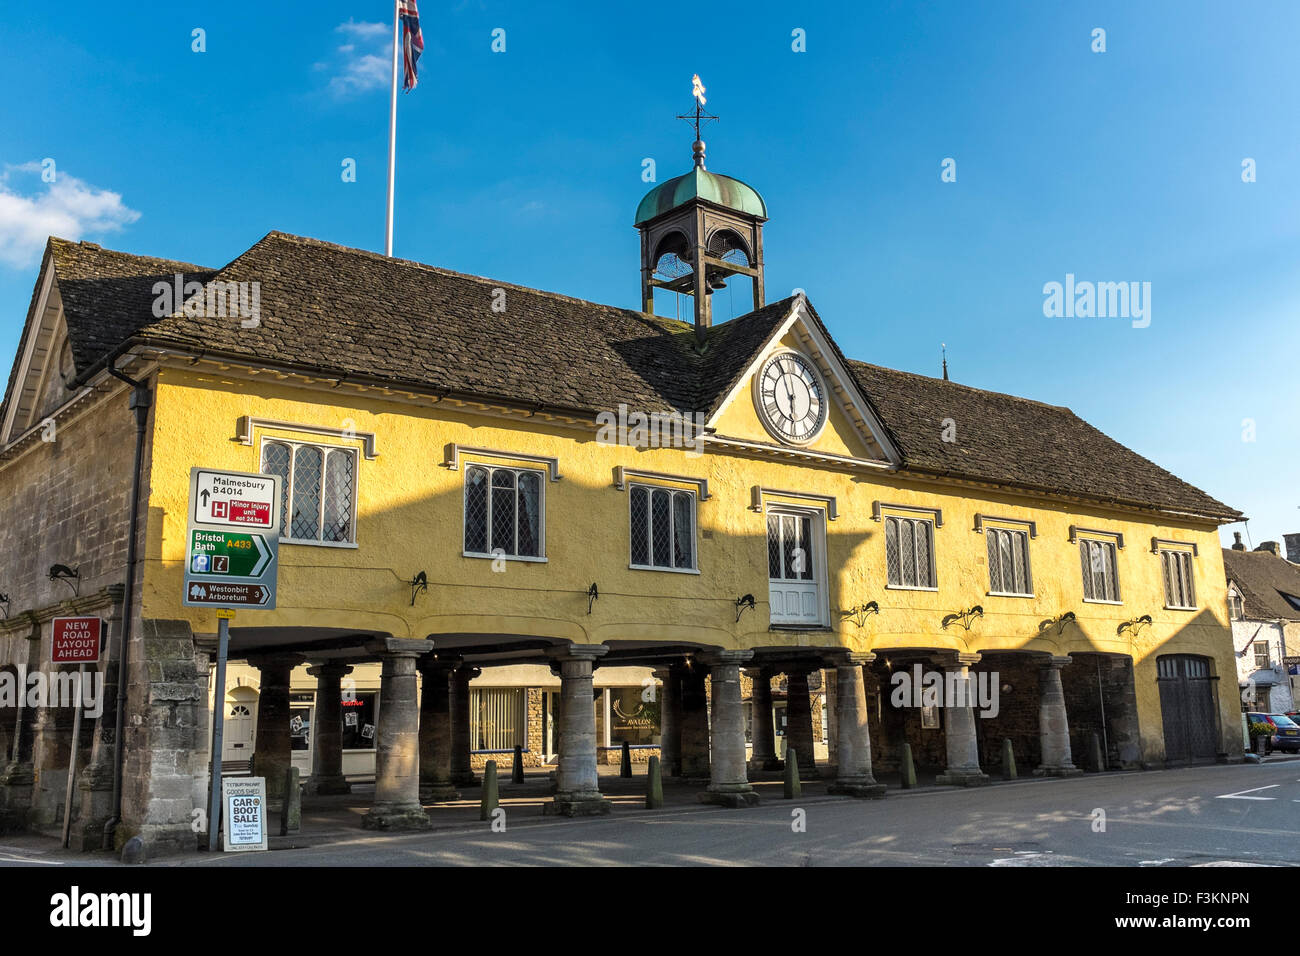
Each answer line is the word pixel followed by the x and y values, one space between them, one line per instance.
pixel 1263 577
pixel 359 315
pixel 1016 441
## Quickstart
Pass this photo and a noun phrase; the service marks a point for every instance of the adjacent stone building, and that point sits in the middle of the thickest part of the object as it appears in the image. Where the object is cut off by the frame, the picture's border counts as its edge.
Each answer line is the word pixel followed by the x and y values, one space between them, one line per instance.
pixel 1264 605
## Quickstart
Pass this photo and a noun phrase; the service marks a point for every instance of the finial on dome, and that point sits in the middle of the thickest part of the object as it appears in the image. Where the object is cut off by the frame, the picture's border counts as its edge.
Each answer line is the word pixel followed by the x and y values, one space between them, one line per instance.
pixel 698 118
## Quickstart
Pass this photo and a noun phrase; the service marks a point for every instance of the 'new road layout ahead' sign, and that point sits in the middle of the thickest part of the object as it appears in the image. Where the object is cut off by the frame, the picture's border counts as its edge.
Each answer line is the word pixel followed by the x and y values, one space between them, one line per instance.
pixel 232 543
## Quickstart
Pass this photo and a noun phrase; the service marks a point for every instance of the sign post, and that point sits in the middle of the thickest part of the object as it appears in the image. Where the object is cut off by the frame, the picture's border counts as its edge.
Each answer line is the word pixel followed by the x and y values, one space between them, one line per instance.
pixel 231 561
pixel 75 640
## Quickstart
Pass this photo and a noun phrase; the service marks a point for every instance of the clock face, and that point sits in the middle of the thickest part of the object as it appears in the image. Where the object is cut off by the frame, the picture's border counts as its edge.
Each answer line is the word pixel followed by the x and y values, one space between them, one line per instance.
pixel 790 398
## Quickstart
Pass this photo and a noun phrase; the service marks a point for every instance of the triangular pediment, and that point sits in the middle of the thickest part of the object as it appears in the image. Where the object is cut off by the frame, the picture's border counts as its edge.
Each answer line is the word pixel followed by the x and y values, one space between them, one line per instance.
pixel 37 384
pixel 827 415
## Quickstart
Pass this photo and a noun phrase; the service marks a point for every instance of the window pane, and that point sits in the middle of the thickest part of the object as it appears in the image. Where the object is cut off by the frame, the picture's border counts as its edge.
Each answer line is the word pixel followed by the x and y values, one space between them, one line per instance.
pixel 275 461
pixel 1099 570
pixel 789 540
pixel 1189 589
pixel 907 551
pixel 995 568
pixel 924 574
pixel 683 531
pixel 530 521
pixel 306 493
pixel 503 510
pixel 1087 572
pixel 1020 555
pixel 660 522
pixel 639 508
pixel 476 510
pixel 773 546
pixel 338 496
pixel 805 549
pixel 891 551
pixel 1112 572
pixel 1007 561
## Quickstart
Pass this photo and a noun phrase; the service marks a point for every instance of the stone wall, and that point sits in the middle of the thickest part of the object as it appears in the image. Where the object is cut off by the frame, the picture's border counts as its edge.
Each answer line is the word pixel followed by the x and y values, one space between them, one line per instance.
pixel 165 738
pixel 66 503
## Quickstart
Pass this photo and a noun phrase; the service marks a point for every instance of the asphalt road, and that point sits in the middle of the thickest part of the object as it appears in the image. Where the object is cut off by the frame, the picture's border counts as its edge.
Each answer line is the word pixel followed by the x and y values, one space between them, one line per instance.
pixel 1199 816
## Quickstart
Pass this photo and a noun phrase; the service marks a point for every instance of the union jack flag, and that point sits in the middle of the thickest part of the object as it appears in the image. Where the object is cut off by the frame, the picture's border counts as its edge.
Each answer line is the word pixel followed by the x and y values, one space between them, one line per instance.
pixel 412 41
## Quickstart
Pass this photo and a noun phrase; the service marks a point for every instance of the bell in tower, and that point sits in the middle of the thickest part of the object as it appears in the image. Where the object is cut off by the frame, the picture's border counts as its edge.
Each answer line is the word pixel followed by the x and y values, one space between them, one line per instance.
pixel 698 230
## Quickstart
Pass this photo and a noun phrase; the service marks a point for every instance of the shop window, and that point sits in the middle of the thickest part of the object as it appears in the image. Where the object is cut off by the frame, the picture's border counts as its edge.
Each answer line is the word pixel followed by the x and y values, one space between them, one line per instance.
pixel 359 721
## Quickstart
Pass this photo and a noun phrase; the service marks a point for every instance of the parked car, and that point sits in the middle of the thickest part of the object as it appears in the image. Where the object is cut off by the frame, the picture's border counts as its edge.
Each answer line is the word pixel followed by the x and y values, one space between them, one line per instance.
pixel 1286 735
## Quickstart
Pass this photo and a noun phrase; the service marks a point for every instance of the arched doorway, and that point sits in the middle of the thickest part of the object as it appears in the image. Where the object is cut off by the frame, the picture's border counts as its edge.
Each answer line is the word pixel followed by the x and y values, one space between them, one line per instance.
pixel 1187 707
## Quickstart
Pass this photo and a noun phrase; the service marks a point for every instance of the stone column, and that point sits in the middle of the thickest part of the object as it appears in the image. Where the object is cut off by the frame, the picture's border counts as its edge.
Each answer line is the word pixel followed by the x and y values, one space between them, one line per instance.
pixel 762 729
pixel 397 739
pixel 273 743
pixel 670 720
pixel 728 783
pixel 435 731
pixel 695 725
pixel 19 774
pixel 577 790
pixel 327 736
pixel 1053 727
pixel 853 775
pixel 963 768
pixel 798 721
pixel 462 774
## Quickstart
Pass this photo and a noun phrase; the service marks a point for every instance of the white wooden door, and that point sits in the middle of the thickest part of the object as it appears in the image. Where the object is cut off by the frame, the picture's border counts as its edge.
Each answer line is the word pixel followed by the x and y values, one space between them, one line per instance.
pixel 237 732
pixel 795 578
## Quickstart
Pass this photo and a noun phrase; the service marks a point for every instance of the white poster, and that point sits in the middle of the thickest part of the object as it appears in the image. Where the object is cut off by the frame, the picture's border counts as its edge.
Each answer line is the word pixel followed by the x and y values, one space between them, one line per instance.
pixel 243 801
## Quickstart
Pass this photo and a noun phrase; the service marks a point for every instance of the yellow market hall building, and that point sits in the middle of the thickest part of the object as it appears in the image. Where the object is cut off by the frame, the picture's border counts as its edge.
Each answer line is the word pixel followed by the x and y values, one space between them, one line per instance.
pixel 515 518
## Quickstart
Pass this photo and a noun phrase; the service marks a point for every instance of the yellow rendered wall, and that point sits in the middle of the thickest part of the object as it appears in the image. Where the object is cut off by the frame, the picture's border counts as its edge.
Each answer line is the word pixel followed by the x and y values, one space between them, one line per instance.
pixel 410 519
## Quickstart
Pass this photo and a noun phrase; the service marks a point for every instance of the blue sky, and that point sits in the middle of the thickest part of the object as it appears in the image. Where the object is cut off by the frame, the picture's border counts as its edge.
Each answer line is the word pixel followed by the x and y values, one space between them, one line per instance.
pixel 526 166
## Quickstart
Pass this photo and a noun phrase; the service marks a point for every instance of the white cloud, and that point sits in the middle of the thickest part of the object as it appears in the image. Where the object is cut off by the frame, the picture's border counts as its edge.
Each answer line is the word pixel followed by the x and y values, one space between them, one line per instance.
pixel 365 61
pixel 32 210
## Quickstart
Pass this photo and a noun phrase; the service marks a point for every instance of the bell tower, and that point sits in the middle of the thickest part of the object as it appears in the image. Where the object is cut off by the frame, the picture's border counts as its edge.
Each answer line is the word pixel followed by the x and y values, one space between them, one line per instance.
pixel 700 229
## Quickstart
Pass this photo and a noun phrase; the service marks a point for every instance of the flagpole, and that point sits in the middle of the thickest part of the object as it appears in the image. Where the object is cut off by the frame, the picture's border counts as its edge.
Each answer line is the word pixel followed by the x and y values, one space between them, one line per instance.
pixel 392 128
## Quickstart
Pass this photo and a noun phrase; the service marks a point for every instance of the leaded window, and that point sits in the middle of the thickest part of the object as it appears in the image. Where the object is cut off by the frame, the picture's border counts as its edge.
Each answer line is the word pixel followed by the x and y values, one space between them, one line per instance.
pixel 1008 552
pixel 1100 574
pixel 503 512
pixel 909 556
pixel 1177 569
pixel 317 490
pixel 662 523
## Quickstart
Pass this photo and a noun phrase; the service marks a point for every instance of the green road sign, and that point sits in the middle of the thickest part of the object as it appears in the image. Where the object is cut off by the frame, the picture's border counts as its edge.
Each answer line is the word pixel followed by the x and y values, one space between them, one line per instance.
pixel 228 554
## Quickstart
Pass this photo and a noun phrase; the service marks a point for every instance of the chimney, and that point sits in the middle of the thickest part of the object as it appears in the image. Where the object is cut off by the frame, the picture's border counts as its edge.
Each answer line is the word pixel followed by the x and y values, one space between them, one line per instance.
pixel 1236 544
pixel 1272 547
pixel 1292 547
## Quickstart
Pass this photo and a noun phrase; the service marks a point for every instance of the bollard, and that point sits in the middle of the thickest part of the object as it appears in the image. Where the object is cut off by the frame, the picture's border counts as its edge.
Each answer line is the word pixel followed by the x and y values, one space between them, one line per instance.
pixel 489 799
pixel 907 768
pixel 1008 760
pixel 517 771
pixel 654 794
pixel 793 789
pixel 625 770
pixel 1094 753
pixel 291 808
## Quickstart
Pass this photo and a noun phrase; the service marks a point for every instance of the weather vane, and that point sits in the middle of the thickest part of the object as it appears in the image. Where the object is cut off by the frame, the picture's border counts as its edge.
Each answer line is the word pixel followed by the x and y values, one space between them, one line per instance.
pixel 698 118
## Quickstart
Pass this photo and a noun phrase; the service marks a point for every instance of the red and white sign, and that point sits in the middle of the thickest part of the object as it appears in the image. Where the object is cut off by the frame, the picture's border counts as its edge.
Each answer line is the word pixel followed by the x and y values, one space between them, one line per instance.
pixel 76 640
pixel 222 498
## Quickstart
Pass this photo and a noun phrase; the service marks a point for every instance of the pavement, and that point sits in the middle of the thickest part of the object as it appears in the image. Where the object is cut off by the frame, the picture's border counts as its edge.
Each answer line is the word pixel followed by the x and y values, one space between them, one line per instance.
pixel 1238 814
